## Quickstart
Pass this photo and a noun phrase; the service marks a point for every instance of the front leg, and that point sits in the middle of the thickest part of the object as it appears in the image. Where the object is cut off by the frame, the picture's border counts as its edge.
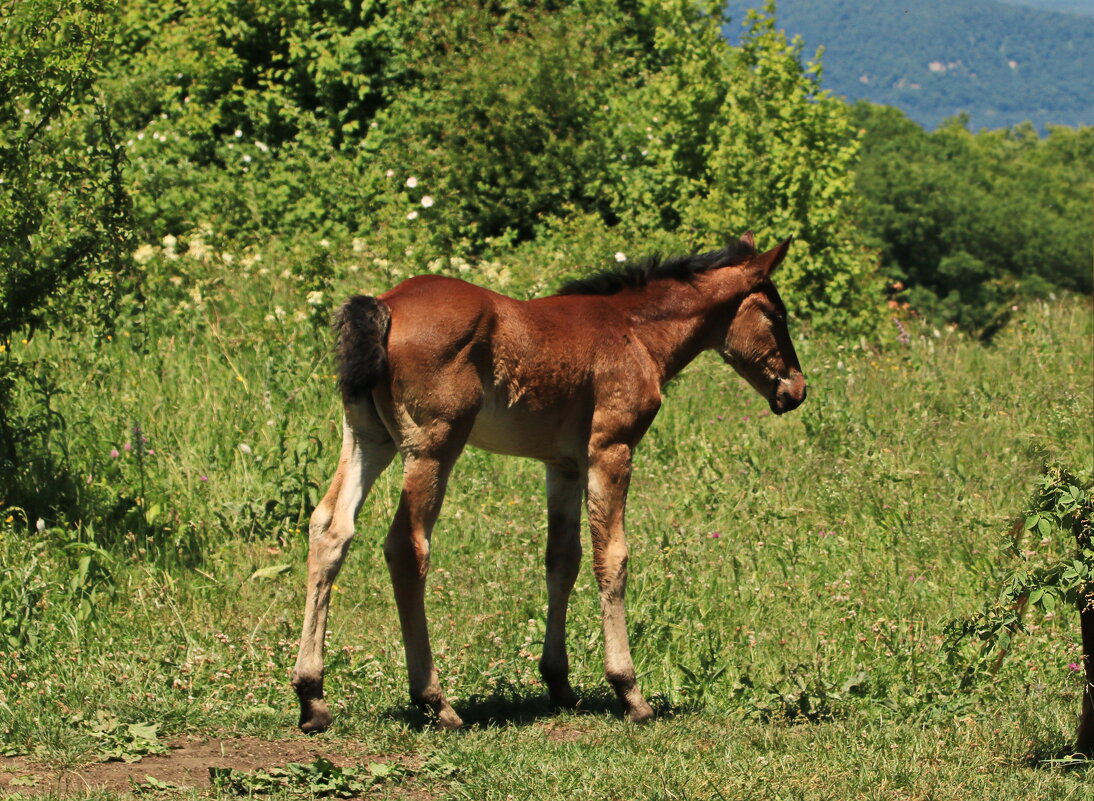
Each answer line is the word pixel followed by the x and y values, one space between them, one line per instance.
pixel 564 490
pixel 608 479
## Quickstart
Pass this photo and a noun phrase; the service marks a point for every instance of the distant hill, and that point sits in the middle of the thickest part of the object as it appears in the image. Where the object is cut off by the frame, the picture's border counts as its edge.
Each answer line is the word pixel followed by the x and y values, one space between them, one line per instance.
pixel 1071 6
pixel 1000 63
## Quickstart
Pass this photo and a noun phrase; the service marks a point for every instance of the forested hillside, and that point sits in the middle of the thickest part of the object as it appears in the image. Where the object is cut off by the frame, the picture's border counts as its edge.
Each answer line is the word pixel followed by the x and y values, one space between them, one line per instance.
pixel 1001 64
pixel 967 224
pixel 1084 7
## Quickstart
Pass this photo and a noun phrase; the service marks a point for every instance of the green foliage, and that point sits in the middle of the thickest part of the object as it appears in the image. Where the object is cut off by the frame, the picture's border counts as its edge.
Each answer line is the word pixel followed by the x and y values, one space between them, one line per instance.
pixel 1063 504
pixel 784 157
pixel 492 133
pixel 798 697
pixel 64 222
pixel 121 742
pixel 666 136
pixel 63 211
pixel 321 779
pixel 971 224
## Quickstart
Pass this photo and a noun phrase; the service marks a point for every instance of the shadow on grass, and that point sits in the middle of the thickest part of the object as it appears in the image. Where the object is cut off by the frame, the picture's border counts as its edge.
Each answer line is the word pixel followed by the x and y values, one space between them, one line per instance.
pixel 514 708
pixel 1056 754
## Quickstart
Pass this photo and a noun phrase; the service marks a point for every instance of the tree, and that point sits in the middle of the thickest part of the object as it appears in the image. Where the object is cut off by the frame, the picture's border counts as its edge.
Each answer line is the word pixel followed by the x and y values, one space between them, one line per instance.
pixel 63 208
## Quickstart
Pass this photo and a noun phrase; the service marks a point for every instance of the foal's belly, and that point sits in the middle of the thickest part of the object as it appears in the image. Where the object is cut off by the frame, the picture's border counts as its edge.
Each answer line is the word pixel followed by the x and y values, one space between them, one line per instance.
pixel 522 431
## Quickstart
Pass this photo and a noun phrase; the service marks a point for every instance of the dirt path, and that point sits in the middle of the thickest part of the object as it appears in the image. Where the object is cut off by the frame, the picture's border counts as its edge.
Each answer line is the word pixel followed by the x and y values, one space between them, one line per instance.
pixel 187 765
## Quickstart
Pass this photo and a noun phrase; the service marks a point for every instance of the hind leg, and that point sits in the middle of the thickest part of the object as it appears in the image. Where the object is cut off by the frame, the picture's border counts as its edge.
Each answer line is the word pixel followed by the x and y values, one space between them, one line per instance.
pixel 366 451
pixel 407 553
pixel 564 491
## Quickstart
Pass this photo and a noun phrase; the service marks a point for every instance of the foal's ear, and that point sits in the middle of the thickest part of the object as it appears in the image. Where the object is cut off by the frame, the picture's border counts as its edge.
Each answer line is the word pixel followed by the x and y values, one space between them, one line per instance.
pixel 763 265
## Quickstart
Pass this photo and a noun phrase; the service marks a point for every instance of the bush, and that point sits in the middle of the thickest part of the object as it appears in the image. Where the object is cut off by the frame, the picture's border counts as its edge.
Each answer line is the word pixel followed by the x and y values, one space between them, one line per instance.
pixel 64 215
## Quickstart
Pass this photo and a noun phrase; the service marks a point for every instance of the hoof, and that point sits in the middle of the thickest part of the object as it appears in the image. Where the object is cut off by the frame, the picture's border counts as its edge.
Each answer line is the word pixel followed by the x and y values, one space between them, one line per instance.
pixel 314 714
pixel 314 717
pixel 433 703
pixel 448 720
pixel 639 713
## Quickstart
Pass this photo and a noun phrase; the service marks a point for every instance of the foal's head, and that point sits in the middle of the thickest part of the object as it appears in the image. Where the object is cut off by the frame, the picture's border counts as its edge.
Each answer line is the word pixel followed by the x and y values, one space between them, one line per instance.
pixel 757 343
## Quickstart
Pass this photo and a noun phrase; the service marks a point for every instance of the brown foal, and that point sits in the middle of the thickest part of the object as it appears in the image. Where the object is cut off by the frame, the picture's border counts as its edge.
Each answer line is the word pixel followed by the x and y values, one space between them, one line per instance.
pixel 573 380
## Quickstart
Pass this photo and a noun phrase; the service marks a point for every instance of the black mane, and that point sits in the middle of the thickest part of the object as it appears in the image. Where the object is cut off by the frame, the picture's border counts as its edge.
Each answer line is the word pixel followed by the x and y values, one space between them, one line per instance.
pixel 638 275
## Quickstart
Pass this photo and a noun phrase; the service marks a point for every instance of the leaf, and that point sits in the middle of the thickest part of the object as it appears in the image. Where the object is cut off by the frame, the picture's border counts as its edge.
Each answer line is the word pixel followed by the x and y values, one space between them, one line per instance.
pixel 144 731
pixel 104 722
pixel 273 571
pixel 381 770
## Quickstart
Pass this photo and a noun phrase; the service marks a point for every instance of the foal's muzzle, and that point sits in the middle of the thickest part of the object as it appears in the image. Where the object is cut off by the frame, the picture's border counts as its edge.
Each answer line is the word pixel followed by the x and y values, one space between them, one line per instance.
pixel 789 394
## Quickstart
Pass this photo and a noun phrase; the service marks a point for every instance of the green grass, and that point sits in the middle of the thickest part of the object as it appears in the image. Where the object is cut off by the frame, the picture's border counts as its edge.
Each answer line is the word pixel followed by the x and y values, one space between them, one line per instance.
pixel 791 578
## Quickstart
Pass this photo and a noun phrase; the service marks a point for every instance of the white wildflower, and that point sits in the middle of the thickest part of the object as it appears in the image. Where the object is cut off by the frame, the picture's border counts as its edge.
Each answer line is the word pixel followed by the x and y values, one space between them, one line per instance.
pixel 412 216
pixel 315 298
pixel 427 201
pixel 263 147
pixel 244 448
pixel 411 182
pixel 279 312
pixel 246 158
pixel 238 134
pixel 324 243
pixel 198 250
pixel 620 257
pixel 359 245
pixel 390 173
pixel 143 254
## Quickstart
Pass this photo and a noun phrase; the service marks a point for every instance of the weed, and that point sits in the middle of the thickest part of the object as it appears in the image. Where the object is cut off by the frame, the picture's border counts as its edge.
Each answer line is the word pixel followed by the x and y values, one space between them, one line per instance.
pixel 321 778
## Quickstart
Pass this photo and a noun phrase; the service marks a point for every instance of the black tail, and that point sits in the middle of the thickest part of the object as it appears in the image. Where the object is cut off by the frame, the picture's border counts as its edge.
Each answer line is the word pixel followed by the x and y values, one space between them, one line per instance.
pixel 361 327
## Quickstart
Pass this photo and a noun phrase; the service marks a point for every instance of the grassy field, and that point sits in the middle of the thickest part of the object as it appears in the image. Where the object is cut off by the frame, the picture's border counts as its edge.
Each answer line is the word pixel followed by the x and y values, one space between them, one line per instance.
pixel 791 578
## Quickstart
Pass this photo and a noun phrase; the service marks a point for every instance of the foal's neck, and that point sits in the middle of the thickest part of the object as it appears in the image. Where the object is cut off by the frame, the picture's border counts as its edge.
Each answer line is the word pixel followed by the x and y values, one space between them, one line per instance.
pixel 677 320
